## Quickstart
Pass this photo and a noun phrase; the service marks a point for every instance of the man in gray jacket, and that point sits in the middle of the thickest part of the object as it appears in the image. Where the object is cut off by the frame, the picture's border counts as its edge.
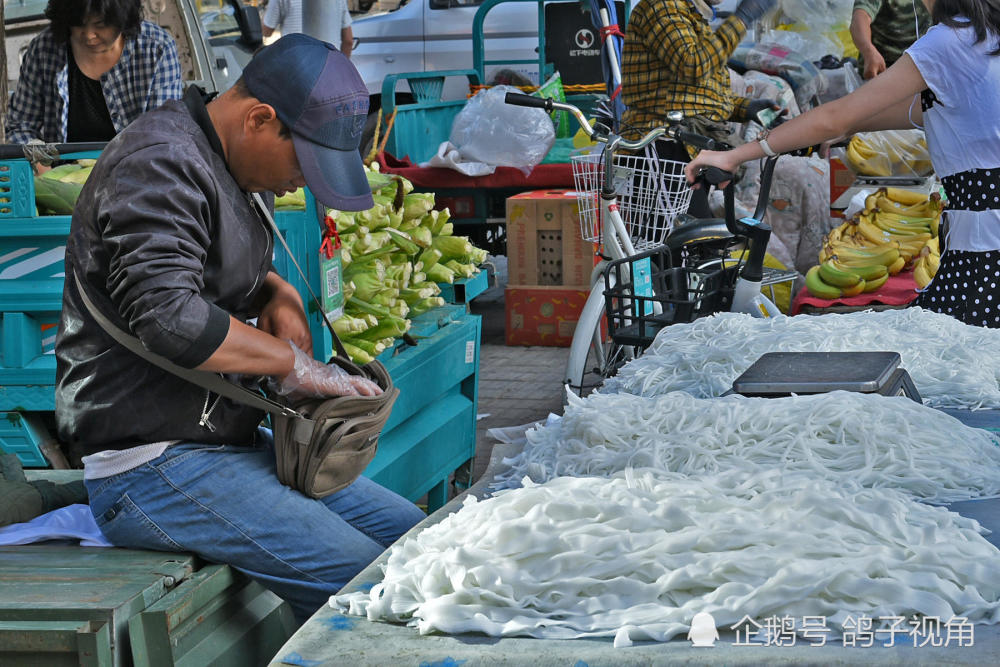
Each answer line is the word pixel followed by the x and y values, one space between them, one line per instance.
pixel 168 245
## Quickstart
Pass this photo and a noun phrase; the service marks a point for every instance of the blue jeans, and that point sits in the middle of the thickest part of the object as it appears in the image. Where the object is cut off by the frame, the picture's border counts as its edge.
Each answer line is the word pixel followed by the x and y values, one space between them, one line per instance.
pixel 225 504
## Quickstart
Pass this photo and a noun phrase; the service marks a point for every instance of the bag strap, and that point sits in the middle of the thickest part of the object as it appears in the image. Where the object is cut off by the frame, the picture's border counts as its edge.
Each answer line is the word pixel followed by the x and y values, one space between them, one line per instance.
pixel 262 207
pixel 211 381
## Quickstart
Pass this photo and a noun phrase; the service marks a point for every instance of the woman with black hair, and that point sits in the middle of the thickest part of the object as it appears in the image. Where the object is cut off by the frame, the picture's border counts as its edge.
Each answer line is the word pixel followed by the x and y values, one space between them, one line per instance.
pixel 947 82
pixel 94 70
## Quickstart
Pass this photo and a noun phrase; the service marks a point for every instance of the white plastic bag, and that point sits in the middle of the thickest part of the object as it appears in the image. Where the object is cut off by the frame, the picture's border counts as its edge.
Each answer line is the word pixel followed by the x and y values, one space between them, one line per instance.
pixel 489 130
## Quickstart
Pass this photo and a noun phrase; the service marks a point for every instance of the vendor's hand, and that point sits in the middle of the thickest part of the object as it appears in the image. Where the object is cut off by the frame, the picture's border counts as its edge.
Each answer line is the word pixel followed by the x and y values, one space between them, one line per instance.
pixel 313 379
pixel 749 11
pixel 282 314
pixel 722 159
pixel 874 64
pixel 756 106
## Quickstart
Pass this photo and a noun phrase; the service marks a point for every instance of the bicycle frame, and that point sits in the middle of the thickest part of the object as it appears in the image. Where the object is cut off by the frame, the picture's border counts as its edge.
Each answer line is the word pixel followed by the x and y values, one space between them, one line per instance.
pixel 617 243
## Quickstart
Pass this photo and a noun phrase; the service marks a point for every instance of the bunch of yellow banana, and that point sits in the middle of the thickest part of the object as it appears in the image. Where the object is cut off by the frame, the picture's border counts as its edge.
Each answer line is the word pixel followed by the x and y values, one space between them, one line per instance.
pixel 852 270
pixel 890 158
pixel 860 254
pixel 865 160
pixel 926 264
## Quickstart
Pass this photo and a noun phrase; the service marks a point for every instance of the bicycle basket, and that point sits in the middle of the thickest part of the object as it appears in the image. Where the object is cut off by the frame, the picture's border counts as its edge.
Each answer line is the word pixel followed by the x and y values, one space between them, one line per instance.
pixel 645 292
pixel 651 193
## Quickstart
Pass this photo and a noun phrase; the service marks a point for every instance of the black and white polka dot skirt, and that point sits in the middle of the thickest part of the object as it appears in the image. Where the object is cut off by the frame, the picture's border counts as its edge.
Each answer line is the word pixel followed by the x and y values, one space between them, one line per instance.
pixel 967 287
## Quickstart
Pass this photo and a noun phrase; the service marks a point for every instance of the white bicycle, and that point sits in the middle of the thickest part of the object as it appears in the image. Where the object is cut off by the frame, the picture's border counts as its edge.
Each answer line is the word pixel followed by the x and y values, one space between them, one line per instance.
pixel 658 265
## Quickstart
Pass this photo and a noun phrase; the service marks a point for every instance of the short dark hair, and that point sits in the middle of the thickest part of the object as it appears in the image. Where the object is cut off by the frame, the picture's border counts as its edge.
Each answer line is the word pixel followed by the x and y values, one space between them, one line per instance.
pixel 242 90
pixel 125 15
pixel 983 16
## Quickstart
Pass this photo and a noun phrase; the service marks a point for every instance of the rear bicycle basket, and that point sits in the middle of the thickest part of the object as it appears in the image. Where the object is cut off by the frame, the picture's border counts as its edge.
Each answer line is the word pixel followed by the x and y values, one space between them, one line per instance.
pixel 651 193
pixel 645 292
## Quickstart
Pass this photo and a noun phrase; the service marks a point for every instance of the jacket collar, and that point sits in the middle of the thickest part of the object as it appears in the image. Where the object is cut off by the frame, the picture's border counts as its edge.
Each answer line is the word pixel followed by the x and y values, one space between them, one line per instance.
pixel 195 99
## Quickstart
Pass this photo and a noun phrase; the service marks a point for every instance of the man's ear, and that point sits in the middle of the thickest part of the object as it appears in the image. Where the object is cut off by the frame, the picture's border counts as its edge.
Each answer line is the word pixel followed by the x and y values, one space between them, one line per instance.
pixel 259 116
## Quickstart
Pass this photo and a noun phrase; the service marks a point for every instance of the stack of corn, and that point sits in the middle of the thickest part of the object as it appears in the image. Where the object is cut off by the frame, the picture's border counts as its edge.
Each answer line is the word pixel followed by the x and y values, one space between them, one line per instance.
pixel 394 255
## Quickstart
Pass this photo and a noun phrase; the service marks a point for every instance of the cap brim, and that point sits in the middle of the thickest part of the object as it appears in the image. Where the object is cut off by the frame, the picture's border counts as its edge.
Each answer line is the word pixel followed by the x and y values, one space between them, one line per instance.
pixel 336 178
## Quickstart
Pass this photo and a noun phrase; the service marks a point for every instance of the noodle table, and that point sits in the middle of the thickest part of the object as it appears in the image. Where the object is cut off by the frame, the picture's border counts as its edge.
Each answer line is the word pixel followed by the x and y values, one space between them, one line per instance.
pixel 332 638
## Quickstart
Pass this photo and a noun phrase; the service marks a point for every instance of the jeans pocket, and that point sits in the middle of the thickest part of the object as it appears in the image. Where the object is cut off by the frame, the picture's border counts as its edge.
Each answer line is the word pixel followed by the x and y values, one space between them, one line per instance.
pixel 126 525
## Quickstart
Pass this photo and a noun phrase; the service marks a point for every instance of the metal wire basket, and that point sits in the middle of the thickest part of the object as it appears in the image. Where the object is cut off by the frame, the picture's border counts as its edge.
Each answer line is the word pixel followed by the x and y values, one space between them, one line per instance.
pixel 651 193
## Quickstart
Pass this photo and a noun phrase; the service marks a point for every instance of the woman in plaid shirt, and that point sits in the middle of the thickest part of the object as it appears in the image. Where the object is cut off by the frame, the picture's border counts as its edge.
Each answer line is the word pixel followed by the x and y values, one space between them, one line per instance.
pixel 94 70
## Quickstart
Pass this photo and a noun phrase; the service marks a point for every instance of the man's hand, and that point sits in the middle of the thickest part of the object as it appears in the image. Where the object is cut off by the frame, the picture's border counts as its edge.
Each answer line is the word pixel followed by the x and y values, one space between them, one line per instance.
pixel 311 378
pixel 282 315
pixel 749 11
pixel 756 106
pixel 874 63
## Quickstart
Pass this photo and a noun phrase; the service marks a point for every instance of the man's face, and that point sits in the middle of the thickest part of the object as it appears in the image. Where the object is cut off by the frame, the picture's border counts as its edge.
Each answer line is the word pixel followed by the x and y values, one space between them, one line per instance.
pixel 267 162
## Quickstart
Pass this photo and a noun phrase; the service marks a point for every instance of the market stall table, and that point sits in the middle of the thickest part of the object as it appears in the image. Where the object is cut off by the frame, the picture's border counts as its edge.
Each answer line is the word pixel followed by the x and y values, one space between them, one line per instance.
pixel 330 637
pixel 898 291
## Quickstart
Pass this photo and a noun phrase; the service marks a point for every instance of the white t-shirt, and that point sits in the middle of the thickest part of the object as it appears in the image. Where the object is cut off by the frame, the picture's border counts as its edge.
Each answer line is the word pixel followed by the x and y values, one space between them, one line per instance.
pixel 963 125
pixel 286 17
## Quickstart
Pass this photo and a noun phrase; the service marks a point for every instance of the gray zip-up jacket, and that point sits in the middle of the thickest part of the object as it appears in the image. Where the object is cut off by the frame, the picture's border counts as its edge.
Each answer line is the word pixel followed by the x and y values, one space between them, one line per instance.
pixel 167 246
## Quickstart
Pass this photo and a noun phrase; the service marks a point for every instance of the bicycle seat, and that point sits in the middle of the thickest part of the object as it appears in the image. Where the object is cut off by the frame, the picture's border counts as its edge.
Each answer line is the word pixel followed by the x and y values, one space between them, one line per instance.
pixel 694 230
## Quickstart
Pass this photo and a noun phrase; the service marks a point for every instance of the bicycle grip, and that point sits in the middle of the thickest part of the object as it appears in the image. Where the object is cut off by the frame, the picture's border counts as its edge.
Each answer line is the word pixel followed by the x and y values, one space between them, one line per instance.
pixel 714 175
pixel 697 140
pixel 521 100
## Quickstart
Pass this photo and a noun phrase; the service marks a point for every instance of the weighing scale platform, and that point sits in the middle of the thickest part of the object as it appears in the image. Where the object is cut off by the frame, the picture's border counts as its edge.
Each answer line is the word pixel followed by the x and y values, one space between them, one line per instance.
pixel 785 373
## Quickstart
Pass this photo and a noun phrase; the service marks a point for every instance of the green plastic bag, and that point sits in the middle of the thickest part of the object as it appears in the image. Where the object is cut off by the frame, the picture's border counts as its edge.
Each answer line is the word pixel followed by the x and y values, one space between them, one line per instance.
pixel 553 89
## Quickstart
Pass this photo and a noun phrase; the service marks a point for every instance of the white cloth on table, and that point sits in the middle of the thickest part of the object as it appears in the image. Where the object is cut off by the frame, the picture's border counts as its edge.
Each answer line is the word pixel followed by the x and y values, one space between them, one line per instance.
pixel 73 522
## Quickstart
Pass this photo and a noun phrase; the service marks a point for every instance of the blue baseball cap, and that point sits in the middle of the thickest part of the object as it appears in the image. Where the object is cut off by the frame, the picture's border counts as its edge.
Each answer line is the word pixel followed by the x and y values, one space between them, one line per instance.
pixel 319 95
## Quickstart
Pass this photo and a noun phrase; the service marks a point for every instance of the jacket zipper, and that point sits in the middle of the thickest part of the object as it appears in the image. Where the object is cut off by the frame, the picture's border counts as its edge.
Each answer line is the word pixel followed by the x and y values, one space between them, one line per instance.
pixel 270 241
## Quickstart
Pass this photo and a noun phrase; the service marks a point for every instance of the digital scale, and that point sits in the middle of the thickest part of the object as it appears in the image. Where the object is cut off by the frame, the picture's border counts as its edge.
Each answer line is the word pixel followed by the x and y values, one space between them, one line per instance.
pixel 778 374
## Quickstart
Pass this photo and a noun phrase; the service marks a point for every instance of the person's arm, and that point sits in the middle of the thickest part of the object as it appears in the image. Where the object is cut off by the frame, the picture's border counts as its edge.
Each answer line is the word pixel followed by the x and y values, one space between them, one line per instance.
pixel 346 33
pixel 684 47
pixel 880 104
pixel 26 115
pixel 272 18
pixel 346 41
pixel 861 33
pixel 281 313
pixel 166 83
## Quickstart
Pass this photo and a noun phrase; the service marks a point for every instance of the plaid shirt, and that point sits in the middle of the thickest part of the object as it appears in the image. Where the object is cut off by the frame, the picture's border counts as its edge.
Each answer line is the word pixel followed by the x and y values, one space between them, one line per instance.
pixel 147 75
pixel 673 61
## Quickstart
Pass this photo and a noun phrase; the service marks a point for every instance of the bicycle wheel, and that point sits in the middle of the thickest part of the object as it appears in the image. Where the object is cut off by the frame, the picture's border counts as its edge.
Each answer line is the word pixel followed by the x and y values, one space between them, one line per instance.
pixel 592 359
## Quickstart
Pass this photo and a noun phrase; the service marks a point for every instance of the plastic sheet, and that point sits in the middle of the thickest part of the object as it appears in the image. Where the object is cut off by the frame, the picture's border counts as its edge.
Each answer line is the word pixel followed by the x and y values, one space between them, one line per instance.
pixel 489 130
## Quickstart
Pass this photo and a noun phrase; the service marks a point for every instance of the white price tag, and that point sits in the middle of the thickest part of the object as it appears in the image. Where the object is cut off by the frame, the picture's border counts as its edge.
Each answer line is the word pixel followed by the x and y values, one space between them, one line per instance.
pixel 470 351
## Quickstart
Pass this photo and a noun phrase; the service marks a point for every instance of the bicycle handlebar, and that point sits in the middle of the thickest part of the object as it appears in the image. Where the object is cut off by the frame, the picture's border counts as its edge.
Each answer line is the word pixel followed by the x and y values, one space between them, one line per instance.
pixel 522 100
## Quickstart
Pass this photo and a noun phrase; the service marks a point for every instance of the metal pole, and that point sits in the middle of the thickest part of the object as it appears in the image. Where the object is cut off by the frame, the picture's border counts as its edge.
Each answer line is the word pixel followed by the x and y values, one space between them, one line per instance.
pixel 3 79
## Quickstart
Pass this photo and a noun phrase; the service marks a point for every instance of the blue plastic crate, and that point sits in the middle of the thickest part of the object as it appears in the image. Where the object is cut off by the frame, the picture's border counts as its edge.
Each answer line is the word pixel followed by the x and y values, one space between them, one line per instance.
pixel 20 436
pixel 421 126
pixel 466 289
pixel 17 190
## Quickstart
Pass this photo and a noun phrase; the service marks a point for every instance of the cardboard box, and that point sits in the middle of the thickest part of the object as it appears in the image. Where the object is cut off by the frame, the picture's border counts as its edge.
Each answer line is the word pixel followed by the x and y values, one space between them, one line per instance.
pixel 544 245
pixel 542 314
pixel 841 178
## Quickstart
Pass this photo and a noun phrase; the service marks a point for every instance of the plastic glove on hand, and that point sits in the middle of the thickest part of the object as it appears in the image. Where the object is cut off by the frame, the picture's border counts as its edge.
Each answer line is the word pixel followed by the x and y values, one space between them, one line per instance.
pixel 756 106
pixel 749 11
pixel 311 378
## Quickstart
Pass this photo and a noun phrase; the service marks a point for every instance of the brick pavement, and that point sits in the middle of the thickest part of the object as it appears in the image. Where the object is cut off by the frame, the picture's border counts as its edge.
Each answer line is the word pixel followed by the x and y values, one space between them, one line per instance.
pixel 517 385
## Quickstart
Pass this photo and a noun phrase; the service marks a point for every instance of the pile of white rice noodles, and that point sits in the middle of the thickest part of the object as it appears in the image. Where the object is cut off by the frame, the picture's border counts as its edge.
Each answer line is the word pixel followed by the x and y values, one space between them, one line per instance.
pixel 633 513
pixel 952 364
pixel 636 556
